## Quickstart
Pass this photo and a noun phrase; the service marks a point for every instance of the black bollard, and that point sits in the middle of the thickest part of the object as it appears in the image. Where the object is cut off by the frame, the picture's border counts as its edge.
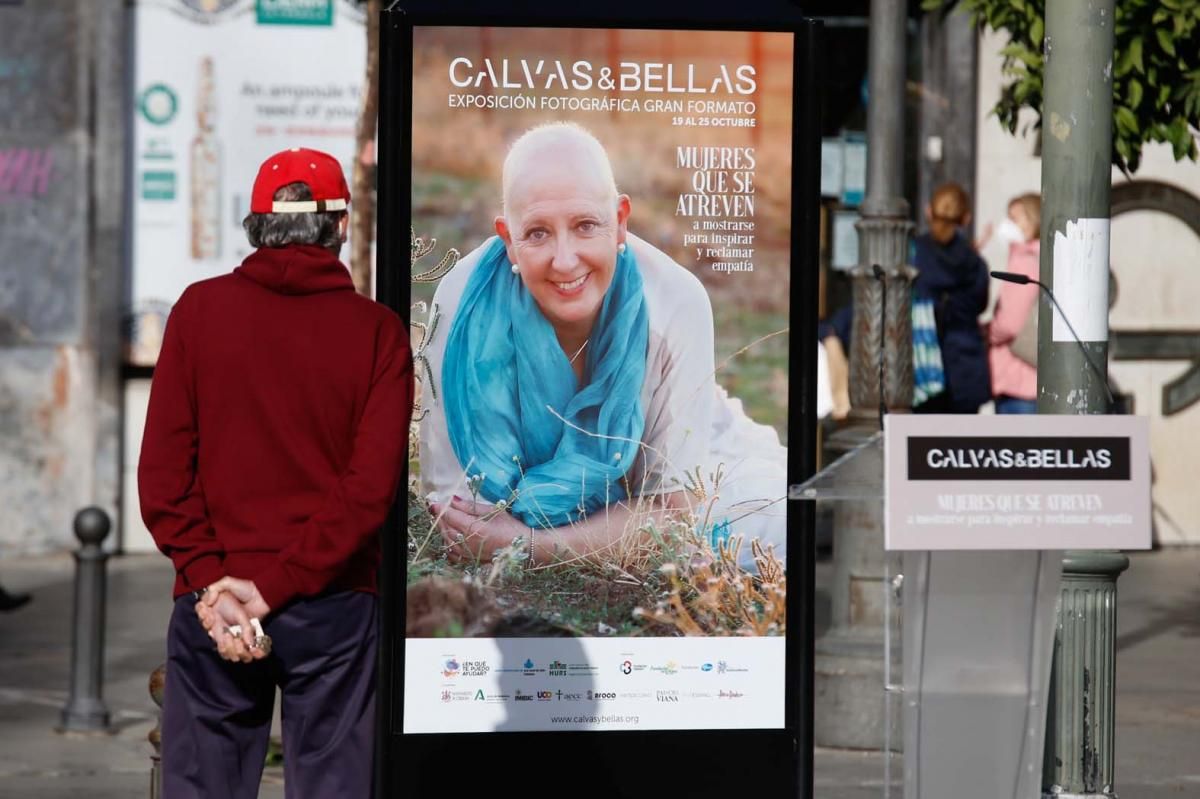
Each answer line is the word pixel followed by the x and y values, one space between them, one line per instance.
pixel 85 710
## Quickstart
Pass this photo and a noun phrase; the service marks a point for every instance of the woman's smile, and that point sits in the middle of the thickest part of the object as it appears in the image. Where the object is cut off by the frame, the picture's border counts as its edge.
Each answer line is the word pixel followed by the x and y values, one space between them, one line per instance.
pixel 572 287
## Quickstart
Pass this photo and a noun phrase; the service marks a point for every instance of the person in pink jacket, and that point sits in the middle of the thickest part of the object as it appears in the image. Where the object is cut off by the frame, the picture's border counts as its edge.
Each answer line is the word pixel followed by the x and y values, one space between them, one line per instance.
pixel 1014 371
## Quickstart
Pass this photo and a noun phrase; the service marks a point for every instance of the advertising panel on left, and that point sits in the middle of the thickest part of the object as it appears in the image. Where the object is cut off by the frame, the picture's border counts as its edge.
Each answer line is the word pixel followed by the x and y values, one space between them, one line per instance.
pixel 219 86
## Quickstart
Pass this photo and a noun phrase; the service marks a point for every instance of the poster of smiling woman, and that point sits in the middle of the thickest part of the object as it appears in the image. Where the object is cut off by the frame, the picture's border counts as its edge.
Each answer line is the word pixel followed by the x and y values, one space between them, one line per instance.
pixel 602 246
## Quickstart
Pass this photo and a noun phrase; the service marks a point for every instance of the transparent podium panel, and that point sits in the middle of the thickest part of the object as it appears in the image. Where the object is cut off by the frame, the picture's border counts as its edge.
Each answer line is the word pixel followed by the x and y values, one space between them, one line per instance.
pixel 955 646
pixel 978 630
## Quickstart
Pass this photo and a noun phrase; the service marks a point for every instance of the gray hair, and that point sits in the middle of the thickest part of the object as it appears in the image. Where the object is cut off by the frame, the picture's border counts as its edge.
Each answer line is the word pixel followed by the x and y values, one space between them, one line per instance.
pixel 280 230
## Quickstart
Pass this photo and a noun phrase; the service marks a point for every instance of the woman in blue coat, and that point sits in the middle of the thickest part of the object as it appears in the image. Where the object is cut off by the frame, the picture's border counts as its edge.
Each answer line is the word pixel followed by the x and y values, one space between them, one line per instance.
pixel 955 278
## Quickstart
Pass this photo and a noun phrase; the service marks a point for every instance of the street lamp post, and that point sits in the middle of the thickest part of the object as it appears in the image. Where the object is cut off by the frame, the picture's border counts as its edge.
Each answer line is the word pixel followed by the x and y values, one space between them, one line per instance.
pixel 849 668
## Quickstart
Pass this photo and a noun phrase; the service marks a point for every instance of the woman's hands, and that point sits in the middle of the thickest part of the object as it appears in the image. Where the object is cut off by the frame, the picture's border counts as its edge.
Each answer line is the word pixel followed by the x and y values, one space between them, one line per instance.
pixel 475 531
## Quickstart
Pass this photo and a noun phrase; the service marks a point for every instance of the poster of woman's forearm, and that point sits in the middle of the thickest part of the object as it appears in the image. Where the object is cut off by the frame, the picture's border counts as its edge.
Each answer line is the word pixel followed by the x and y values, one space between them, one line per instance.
pixel 600 257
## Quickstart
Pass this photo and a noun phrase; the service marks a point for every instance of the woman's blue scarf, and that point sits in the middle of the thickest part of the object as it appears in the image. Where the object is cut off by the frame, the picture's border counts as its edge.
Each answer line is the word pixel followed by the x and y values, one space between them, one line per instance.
pixel 506 382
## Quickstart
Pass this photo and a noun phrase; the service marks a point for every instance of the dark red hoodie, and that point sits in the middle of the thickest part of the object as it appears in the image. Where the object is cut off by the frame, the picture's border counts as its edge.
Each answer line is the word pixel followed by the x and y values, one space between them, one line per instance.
pixel 277 428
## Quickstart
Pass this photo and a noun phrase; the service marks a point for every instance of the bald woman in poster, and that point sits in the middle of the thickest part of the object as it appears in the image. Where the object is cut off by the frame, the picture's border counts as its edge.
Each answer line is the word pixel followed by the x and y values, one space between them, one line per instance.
pixel 574 394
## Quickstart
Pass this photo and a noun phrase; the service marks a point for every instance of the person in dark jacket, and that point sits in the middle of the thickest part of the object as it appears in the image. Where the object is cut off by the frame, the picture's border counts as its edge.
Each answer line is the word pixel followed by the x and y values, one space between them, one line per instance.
pixel 273 448
pixel 955 278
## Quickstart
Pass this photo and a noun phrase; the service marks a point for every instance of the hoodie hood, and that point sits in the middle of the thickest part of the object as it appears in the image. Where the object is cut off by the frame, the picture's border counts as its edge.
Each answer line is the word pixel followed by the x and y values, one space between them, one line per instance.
pixel 296 269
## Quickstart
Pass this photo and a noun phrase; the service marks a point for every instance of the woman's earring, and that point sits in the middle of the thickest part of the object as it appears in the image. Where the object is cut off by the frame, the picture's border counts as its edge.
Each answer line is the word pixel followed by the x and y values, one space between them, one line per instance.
pixel 516 270
pixel 621 248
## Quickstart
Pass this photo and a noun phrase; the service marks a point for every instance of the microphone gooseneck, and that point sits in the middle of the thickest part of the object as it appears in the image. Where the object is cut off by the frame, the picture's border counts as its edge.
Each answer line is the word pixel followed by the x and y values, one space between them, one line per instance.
pixel 1014 277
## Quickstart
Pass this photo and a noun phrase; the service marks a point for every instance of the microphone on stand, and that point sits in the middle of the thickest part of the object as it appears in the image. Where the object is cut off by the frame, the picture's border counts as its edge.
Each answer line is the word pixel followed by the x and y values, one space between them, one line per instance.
pixel 881 276
pixel 1022 280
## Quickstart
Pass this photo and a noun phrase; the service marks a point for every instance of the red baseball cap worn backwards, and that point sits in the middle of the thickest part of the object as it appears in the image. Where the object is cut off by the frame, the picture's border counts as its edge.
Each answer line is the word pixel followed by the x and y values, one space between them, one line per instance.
pixel 319 171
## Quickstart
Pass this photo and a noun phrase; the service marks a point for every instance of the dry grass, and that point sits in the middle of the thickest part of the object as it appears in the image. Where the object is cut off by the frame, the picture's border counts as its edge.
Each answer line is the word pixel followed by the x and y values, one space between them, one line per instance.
pixel 661 578
pixel 711 595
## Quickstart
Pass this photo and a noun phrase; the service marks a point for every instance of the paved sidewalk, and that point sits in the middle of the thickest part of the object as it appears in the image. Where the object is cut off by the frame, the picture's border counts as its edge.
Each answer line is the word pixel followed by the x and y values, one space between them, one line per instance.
pixel 1158 676
pixel 1158 668
pixel 35 761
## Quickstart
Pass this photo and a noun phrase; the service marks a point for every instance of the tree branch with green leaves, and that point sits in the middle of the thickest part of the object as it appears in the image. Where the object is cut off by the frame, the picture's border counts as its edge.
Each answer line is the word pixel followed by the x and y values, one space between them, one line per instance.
pixel 1156 69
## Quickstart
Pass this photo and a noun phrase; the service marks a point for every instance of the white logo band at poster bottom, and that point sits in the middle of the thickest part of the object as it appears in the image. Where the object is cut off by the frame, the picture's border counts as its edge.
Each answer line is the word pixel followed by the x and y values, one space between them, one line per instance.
pixel 522 684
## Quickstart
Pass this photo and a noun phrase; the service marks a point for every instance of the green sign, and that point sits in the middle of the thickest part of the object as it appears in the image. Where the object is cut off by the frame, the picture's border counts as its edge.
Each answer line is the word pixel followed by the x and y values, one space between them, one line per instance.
pixel 295 12
pixel 158 185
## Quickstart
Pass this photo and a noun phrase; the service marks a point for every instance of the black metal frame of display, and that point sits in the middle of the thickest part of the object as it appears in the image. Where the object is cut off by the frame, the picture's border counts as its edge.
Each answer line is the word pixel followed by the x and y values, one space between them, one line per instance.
pixel 690 763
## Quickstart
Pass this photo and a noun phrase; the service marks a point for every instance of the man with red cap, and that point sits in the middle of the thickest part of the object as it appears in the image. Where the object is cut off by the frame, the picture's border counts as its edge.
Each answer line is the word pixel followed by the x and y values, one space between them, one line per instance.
pixel 273 449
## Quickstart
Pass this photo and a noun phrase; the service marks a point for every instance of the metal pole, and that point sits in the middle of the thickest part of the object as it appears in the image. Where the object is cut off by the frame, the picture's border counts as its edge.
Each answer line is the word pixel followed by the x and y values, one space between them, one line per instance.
pixel 85 710
pixel 1080 726
pixel 849 668
pixel 1076 179
pixel 884 230
pixel 887 67
pixel 949 104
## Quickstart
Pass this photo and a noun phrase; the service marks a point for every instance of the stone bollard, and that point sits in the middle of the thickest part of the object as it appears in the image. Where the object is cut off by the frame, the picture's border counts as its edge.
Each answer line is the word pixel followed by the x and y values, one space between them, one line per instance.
pixel 85 710
pixel 158 681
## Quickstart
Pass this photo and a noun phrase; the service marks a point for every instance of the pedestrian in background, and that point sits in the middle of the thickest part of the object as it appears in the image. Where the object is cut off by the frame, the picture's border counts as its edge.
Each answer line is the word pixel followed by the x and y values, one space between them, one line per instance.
pixel 953 277
pixel 1013 331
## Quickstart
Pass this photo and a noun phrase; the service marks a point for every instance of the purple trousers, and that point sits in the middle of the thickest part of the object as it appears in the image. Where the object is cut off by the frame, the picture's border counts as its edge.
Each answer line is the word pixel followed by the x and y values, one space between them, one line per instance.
pixel 216 717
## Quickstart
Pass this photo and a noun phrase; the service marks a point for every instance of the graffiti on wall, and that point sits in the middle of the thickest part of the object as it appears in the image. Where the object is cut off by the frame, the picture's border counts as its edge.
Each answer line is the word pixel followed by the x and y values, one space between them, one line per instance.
pixel 25 172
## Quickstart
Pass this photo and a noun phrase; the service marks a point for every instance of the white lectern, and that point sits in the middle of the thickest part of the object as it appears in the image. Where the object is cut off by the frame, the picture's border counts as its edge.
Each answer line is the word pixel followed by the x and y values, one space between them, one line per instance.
pixel 977 512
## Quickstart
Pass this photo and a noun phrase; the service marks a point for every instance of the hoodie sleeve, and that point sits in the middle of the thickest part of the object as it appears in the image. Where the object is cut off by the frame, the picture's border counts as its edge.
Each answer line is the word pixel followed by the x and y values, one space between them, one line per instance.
pixel 359 503
pixel 171 497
